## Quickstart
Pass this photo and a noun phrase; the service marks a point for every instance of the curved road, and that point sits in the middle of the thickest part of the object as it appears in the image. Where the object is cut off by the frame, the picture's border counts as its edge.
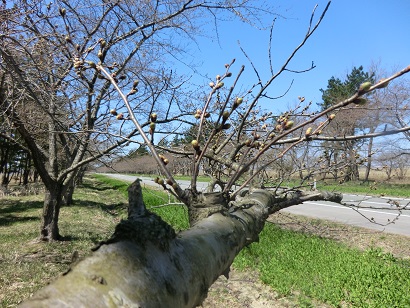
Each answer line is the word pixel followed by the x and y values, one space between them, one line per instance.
pixel 382 210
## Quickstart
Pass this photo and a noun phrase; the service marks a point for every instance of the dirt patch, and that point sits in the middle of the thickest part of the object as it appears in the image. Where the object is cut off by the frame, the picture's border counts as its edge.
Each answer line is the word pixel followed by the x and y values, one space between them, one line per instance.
pixel 244 289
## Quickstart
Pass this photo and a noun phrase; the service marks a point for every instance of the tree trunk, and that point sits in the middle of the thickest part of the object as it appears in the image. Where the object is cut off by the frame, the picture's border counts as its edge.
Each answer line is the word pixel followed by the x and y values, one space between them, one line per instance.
pixel 51 209
pixel 369 157
pixel 68 192
pixel 145 264
pixel 27 168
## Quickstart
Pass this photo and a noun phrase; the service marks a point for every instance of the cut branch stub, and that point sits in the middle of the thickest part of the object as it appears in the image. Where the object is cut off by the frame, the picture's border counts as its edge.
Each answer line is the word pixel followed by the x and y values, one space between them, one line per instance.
pixel 136 206
pixel 206 204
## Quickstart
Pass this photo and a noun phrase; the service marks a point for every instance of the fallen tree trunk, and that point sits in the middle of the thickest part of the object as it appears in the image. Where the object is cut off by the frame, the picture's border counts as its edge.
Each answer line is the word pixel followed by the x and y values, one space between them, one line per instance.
pixel 145 264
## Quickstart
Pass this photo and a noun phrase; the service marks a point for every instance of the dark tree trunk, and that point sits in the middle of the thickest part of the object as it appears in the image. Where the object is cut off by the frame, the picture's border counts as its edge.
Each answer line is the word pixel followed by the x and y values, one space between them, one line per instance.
pixel 51 209
pixel 68 197
pixel 369 158
pixel 68 193
pixel 26 171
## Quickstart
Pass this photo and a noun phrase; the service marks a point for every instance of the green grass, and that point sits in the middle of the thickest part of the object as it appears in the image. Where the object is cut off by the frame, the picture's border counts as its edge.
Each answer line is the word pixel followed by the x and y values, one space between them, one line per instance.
pixel 370 188
pixel 293 262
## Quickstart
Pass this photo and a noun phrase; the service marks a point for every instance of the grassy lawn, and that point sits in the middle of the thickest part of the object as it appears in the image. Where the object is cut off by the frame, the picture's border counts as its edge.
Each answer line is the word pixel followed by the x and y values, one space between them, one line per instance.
pixel 313 267
pixel 370 188
pixel 322 269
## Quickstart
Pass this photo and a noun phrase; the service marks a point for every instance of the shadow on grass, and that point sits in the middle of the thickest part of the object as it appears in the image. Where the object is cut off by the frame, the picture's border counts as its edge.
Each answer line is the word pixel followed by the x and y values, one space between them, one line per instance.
pixel 8 219
pixel 10 209
pixel 102 186
pixel 93 186
pixel 112 209
pixel 17 206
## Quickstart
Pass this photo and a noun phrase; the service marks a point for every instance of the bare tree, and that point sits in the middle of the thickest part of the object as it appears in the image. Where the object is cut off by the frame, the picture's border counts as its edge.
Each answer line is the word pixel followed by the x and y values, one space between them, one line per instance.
pixel 145 263
pixel 49 52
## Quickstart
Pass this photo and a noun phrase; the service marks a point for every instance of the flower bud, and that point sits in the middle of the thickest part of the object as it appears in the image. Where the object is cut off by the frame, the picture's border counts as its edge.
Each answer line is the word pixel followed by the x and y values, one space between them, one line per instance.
pixel 289 124
pixel 237 102
pixel 92 64
pixel 383 85
pixel 195 144
pixel 62 12
pixel 133 91
pixel 365 86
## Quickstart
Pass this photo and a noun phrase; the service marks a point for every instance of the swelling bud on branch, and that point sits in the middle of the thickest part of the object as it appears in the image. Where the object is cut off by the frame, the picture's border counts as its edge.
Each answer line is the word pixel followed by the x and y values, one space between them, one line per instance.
pixel 289 124
pixel 195 144
pixel 383 85
pixel 365 86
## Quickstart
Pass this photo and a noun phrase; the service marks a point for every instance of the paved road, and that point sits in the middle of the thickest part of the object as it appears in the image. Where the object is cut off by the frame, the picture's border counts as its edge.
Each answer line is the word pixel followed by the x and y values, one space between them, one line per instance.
pixel 378 208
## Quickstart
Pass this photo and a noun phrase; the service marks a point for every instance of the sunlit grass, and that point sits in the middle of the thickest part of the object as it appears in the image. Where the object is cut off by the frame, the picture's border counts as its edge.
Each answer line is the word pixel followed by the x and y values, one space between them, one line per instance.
pixel 294 262
pixel 369 188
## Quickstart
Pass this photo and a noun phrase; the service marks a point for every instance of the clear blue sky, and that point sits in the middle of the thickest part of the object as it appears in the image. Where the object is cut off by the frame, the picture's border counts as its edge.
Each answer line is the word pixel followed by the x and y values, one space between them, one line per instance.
pixel 353 33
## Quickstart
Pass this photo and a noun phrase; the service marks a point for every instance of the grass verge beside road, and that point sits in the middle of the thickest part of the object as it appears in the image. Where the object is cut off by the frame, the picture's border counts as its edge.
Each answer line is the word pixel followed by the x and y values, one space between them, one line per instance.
pixel 296 264
pixel 368 188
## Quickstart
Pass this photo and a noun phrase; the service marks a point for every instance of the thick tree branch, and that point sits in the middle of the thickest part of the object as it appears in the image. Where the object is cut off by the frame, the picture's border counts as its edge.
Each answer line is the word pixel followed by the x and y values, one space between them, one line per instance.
pixel 145 265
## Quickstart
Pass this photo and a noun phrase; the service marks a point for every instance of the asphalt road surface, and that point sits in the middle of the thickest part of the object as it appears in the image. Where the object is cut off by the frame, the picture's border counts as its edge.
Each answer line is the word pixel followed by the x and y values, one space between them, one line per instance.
pixel 366 209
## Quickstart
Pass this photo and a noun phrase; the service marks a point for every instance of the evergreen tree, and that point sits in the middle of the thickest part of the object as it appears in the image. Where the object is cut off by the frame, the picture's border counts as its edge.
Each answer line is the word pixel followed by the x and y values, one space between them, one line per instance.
pixel 344 153
pixel 338 90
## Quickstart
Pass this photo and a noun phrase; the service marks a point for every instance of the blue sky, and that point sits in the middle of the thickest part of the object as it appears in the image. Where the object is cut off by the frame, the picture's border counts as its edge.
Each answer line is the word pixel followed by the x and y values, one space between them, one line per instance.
pixel 353 33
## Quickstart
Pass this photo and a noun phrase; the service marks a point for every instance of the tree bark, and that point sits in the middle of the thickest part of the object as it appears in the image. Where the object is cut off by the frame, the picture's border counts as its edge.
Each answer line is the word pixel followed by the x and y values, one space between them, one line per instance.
pixel 145 264
pixel 49 224
pixel 369 157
